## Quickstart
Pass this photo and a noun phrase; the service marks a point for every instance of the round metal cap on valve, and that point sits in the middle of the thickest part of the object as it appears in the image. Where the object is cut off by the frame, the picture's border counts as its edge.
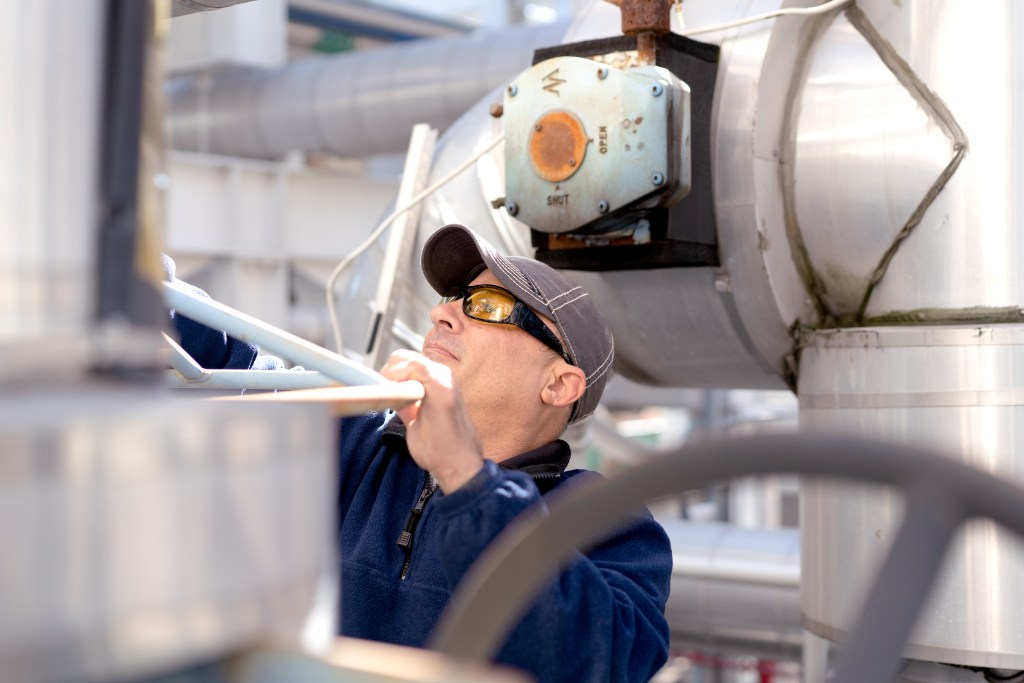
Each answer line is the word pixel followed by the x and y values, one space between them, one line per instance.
pixel 566 150
pixel 557 145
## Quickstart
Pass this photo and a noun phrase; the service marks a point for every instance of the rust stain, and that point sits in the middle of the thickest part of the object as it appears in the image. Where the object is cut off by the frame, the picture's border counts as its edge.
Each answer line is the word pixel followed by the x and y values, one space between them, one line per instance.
pixel 557 146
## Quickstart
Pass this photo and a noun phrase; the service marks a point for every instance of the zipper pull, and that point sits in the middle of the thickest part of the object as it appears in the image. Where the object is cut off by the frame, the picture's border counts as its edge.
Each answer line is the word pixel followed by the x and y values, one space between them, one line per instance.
pixel 405 538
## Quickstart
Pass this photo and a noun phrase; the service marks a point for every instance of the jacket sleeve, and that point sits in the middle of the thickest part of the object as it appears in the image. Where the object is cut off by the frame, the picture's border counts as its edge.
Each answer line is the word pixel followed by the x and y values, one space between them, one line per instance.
pixel 602 620
pixel 212 349
pixel 356 437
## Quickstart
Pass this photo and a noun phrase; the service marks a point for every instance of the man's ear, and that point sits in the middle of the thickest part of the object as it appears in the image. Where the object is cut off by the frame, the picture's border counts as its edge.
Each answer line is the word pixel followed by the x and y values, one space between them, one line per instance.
pixel 565 384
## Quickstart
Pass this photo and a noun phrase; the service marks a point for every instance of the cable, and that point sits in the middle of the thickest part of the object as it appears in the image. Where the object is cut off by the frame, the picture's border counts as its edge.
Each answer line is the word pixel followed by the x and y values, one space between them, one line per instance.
pixel 799 11
pixel 379 230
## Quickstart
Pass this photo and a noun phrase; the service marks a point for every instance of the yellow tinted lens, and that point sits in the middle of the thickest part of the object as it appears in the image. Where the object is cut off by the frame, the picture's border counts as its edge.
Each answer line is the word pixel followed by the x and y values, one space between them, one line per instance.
pixel 489 304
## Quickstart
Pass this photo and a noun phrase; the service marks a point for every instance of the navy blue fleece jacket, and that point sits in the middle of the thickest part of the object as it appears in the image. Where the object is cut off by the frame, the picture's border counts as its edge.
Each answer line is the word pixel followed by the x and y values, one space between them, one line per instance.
pixel 603 620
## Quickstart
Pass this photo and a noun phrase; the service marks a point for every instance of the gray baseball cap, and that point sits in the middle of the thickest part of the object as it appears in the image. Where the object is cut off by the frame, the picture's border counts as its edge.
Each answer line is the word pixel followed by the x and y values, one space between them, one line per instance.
pixel 454 255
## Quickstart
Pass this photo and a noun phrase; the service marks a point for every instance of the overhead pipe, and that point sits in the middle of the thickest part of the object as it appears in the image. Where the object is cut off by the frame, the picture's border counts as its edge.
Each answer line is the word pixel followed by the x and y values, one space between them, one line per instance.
pixel 735 589
pixel 376 22
pixel 182 7
pixel 352 105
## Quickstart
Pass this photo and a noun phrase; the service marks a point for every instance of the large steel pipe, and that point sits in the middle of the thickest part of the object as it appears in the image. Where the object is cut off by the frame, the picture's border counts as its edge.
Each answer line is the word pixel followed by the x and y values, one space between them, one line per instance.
pixel 959 390
pixel 143 535
pixel 181 7
pixel 857 182
pixel 697 327
pixel 735 589
pixel 899 204
pixel 896 210
pixel 352 105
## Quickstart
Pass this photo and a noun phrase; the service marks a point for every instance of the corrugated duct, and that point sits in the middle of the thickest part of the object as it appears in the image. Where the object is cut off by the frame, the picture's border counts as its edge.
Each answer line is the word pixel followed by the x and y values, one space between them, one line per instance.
pixel 181 7
pixel 352 105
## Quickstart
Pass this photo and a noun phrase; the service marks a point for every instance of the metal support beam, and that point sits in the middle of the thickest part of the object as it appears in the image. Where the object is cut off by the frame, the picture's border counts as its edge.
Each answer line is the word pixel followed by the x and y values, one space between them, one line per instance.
pixel 401 237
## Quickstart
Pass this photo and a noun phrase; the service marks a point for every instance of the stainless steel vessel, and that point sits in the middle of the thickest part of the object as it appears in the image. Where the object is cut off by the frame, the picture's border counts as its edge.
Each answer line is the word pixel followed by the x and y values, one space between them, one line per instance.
pixel 958 389
pixel 145 534
pixel 864 165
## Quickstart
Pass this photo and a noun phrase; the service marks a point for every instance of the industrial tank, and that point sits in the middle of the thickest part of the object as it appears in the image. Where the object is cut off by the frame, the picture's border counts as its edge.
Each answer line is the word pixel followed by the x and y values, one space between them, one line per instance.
pixel 863 170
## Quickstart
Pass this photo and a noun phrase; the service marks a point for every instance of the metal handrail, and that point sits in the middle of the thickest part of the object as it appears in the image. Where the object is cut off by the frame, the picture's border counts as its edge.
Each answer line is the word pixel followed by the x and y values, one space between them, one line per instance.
pixel 941 494
pixel 250 329
pixel 257 380
pixel 188 374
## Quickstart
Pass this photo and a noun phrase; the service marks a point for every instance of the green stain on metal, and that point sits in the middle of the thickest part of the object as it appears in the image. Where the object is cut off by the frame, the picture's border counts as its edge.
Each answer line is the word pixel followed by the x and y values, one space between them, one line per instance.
pixel 331 42
pixel 975 315
pixel 948 316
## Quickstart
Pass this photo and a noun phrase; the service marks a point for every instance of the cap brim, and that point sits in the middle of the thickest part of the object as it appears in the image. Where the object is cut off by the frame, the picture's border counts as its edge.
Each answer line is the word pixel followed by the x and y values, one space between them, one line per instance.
pixel 451 257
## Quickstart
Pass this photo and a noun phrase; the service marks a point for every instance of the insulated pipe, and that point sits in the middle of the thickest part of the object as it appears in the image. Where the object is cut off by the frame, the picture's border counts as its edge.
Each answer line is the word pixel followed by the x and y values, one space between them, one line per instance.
pixel 190 6
pixel 352 105
pixel 734 588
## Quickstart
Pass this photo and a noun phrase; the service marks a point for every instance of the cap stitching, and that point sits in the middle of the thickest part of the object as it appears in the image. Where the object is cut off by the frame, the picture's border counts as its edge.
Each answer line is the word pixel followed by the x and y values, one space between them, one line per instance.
pixel 565 293
pixel 597 377
pixel 509 269
pixel 602 368
pixel 572 351
pixel 570 301
pixel 606 363
pixel 517 276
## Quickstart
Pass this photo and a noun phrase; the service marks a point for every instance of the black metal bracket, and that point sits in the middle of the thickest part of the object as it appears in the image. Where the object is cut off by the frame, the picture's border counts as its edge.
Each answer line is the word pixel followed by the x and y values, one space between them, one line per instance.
pixel 685 235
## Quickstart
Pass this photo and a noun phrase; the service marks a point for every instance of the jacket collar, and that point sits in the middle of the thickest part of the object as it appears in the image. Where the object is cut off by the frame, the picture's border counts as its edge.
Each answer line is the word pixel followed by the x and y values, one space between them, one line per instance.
pixel 550 460
pixel 546 462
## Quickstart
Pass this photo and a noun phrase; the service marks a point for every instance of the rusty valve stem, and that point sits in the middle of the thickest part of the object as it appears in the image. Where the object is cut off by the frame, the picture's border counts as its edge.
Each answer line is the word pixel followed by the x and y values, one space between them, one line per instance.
pixel 646 19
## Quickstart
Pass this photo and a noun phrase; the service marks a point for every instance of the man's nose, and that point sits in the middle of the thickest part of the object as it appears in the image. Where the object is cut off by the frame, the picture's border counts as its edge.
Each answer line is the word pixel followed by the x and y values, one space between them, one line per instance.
pixel 447 315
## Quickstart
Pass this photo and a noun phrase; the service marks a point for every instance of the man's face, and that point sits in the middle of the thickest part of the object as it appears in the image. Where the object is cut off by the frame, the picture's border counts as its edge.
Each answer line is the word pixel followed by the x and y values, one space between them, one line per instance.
pixel 493 364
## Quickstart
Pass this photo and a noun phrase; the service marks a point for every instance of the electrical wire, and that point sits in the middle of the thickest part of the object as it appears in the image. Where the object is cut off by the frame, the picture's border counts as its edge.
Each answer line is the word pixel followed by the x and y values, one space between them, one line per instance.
pixel 799 11
pixel 379 230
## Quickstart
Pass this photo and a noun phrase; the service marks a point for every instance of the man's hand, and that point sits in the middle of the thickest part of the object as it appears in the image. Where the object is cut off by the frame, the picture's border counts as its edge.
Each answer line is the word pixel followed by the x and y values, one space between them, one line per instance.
pixel 441 437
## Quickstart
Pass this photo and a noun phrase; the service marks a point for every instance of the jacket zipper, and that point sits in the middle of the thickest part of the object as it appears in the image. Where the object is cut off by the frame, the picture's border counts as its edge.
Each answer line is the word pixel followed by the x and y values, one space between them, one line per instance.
pixel 406 537
pixel 541 479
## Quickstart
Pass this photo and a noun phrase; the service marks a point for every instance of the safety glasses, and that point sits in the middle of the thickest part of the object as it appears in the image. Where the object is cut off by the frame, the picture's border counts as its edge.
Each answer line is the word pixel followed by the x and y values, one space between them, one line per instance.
pixel 493 304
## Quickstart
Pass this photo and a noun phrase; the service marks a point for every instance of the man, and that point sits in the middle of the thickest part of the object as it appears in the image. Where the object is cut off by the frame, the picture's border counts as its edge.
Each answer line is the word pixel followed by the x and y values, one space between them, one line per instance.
pixel 516 352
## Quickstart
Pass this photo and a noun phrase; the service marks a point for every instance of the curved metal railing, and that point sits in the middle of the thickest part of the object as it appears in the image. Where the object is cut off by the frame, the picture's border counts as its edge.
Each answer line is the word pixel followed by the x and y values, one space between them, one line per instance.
pixel 941 493
pixel 364 390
